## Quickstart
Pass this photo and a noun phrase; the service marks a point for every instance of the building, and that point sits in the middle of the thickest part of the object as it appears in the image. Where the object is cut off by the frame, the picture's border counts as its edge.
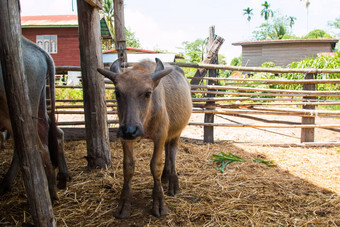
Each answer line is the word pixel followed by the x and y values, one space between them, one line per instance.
pixel 282 52
pixel 58 35
pixel 137 55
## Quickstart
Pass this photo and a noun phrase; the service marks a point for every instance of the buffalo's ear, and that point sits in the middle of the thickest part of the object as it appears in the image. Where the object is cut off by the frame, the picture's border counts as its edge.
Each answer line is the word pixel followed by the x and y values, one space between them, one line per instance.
pixel 160 72
pixel 108 74
pixel 115 67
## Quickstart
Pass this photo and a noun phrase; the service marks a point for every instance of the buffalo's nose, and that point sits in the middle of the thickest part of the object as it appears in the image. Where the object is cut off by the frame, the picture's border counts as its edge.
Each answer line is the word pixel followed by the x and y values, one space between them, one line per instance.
pixel 128 132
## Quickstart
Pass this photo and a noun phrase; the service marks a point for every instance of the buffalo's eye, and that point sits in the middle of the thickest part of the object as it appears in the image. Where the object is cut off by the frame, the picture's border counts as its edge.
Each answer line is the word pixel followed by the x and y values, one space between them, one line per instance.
pixel 148 94
pixel 117 94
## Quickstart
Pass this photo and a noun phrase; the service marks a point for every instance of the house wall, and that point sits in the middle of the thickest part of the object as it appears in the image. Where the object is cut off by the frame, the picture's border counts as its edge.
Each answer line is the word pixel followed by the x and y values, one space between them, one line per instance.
pixel 67 41
pixel 281 54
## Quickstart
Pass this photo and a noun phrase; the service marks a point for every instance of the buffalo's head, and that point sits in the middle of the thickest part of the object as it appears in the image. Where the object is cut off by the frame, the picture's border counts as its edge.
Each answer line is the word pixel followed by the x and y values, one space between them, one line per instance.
pixel 134 90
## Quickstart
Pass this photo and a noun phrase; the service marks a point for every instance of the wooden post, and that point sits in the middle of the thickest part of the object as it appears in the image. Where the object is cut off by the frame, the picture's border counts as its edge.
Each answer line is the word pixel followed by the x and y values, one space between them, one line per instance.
pixel 213 50
pixel 208 117
pixel 307 134
pixel 120 30
pixel 26 142
pixel 97 134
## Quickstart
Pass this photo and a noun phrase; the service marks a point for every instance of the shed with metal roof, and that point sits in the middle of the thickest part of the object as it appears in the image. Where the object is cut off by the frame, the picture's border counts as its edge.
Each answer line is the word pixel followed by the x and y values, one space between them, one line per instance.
pixel 283 52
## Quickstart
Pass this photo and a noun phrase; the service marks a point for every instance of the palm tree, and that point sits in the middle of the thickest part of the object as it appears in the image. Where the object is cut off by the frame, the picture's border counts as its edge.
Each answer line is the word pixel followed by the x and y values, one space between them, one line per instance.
pixel 266 13
pixel 249 13
pixel 307 6
pixel 291 22
pixel 108 11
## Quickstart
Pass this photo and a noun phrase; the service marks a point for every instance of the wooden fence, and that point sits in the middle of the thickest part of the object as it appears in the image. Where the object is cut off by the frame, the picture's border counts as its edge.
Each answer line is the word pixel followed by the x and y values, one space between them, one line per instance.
pixel 244 98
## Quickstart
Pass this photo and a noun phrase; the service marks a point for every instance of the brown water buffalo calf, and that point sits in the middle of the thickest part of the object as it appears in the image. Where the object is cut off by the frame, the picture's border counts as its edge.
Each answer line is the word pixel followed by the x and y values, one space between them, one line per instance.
pixel 153 102
pixel 38 66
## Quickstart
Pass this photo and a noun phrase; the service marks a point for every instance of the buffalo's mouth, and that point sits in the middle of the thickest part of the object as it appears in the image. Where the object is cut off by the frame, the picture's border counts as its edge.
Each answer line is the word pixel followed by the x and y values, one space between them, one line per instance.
pixel 130 132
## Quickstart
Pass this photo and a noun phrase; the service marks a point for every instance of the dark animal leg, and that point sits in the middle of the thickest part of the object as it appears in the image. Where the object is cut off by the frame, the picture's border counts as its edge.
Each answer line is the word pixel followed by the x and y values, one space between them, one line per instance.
pixel 43 128
pixel 63 174
pixel 159 208
pixel 50 173
pixel 9 177
pixel 124 207
pixel 169 171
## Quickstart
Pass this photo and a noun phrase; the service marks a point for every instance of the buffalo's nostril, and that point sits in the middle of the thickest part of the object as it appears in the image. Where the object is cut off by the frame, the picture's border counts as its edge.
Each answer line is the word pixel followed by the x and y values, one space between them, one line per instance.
pixel 128 132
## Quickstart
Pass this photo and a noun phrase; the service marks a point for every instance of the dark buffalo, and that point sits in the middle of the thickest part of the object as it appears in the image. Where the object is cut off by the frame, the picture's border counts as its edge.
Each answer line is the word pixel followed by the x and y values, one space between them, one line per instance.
pixel 153 102
pixel 38 67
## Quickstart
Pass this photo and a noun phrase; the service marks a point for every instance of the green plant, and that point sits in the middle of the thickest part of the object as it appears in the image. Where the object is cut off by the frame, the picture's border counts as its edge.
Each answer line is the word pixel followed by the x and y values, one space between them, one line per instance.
pixel 225 159
pixel 268 163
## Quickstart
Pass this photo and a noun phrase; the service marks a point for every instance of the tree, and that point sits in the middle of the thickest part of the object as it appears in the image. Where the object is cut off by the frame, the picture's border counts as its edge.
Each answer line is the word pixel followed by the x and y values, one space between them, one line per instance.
pixel 317 33
pixel 108 11
pixel 248 12
pixel 193 51
pixel 279 31
pixel 291 22
pixel 131 40
pixel 307 7
pixel 266 13
pixel 335 23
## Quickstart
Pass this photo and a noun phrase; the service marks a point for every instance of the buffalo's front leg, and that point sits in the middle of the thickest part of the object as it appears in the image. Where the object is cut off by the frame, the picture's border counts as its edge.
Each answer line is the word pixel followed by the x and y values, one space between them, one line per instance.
pixel 124 207
pixel 159 208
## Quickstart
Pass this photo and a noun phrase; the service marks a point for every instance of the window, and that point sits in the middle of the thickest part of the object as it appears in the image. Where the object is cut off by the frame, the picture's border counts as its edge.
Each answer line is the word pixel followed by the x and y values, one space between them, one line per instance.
pixel 48 43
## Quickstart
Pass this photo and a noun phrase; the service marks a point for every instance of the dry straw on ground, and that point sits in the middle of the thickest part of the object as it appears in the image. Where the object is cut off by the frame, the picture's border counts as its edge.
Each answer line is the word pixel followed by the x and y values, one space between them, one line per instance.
pixel 302 190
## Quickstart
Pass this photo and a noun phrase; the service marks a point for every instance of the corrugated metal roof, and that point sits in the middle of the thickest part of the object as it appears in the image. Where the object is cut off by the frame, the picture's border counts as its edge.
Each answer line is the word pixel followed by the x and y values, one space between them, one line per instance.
pixel 279 41
pixel 57 21
pixel 49 21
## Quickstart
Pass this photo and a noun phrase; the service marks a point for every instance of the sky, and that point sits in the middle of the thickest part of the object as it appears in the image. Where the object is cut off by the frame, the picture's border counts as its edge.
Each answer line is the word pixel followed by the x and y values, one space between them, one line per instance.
pixel 166 24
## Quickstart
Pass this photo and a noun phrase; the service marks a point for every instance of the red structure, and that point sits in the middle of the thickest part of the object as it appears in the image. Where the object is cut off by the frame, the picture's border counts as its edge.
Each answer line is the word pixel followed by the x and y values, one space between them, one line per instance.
pixel 58 35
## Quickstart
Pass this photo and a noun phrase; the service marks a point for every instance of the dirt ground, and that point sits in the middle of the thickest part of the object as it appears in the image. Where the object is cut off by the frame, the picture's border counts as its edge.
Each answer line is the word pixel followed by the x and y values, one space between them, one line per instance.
pixel 302 189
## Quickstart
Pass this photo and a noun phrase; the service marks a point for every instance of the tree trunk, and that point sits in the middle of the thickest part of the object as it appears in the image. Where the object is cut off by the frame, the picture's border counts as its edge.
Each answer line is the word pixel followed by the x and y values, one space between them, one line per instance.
pixel 97 134
pixel 26 142
pixel 120 30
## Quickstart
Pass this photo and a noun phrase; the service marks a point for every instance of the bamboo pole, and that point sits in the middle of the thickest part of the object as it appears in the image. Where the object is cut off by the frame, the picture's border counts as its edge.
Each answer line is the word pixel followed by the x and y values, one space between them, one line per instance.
pixel 254 69
pixel 306 113
pixel 265 126
pixel 270 81
pixel 61 69
pixel 302 92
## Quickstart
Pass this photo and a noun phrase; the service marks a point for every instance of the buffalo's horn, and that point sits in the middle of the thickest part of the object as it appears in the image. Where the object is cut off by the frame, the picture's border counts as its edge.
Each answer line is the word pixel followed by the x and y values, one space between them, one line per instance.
pixel 115 67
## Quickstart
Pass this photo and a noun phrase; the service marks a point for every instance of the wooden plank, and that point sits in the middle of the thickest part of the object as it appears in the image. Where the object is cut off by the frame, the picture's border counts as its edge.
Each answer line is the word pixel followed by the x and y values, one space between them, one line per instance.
pixel 97 134
pixel 75 134
pixel 25 138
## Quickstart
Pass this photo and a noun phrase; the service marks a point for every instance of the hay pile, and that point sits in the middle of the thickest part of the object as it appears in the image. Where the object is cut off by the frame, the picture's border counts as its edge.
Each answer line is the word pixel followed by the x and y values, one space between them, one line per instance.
pixel 303 189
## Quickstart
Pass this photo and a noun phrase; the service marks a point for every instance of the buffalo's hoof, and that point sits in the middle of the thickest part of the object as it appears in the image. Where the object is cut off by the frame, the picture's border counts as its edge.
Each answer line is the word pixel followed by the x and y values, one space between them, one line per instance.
pixel 62 179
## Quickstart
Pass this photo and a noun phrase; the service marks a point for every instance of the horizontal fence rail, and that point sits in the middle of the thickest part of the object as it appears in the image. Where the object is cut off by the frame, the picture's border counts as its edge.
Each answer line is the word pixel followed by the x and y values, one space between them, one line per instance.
pixel 241 97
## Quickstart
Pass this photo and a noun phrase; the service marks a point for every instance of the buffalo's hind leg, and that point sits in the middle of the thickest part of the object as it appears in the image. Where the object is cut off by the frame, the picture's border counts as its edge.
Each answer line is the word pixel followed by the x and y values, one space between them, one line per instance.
pixel 7 181
pixel 63 174
pixel 169 171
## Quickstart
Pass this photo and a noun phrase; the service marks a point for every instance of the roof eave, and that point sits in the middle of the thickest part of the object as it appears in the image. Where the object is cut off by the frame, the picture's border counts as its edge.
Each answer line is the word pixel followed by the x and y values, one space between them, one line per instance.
pixel 50 26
